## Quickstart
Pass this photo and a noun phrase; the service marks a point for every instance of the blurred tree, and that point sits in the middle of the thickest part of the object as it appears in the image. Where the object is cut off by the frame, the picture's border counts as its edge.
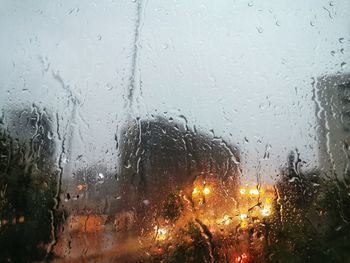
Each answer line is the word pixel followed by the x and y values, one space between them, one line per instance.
pixel 161 156
pixel 334 205
pixel 28 187
pixel 194 244
pixel 172 207
pixel 311 220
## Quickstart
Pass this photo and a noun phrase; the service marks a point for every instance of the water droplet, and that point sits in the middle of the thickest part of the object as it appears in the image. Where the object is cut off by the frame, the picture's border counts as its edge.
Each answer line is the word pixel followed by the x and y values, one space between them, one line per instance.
pixel 332 52
pixel 49 135
pixel 343 65
pixel 342 50
pixel 99 37
pixel 341 40
pixel 312 23
pixel 250 3
pixel 278 23
pixel 329 12
pixel 260 30
pixel 292 179
pixel 331 3
pixel 146 202
pixel 338 228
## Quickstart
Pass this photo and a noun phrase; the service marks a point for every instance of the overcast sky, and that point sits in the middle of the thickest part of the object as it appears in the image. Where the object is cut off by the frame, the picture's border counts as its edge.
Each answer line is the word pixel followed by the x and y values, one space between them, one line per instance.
pixel 241 68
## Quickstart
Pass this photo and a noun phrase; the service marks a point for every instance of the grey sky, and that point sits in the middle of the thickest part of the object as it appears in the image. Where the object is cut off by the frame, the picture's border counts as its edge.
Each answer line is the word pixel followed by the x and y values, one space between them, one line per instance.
pixel 237 67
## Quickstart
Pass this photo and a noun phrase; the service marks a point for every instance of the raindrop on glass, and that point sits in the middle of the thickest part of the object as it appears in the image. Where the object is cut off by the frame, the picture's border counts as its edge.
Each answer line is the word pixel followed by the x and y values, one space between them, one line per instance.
pixel 260 30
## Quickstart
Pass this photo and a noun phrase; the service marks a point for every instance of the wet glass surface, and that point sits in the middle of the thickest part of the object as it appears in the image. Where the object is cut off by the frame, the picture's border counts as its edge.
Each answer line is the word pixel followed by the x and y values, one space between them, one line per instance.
pixel 175 131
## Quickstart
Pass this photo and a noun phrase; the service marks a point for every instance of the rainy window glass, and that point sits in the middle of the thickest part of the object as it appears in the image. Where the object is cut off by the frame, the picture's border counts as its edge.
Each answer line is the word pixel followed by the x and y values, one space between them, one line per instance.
pixel 175 131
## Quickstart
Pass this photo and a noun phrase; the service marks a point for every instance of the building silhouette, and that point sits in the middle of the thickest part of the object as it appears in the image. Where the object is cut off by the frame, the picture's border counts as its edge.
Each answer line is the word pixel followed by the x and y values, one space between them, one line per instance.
pixel 157 157
pixel 332 96
pixel 160 156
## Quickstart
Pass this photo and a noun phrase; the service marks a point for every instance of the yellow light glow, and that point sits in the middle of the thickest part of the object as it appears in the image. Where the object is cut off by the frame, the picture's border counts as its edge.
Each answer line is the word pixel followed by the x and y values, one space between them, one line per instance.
pixel 80 187
pixel 226 220
pixel 242 258
pixel 161 233
pixel 244 224
pixel 265 212
pixel 206 191
pixel 268 201
pixel 242 191
pixel 243 216
pixel 254 192
pixel 195 191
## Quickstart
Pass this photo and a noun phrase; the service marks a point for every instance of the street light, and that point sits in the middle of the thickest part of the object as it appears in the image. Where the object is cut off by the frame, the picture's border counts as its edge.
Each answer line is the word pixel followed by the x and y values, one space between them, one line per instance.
pixel 254 192
pixel 206 191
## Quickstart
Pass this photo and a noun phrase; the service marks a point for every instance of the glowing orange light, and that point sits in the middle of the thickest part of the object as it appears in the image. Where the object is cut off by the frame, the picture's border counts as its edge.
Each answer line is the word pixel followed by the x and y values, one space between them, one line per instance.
pixel 242 191
pixel 160 251
pixel 244 225
pixel 243 216
pixel 254 192
pixel 226 220
pixel 161 233
pixel 268 200
pixel 80 187
pixel 212 229
pixel 242 258
pixel 265 212
pixel 206 191
pixel 195 191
